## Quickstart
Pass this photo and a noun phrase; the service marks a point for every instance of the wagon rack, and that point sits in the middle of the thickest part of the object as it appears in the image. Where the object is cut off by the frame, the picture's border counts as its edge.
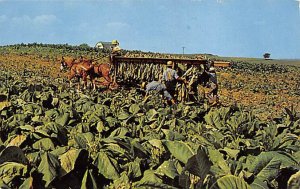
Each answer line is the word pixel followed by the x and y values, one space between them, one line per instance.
pixel 148 69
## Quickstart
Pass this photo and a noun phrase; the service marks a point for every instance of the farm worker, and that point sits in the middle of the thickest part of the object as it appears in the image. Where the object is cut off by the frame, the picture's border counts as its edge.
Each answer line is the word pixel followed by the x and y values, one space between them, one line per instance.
pixel 159 87
pixel 213 85
pixel 116 49
pixel 170 78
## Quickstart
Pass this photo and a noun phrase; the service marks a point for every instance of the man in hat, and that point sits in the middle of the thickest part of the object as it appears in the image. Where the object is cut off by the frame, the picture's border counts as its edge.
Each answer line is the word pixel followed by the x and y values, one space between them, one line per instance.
pixel 170 78
pixel 116 49
pixel 213 85
pixel 159 87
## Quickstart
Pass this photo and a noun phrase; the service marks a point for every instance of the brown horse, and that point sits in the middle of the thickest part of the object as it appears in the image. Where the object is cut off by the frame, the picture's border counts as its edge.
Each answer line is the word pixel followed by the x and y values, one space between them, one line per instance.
pixel 80 68
pixel 103 70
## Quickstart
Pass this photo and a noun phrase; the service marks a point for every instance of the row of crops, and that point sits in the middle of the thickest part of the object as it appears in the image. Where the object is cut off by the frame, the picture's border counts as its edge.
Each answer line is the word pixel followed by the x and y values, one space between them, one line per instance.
pixel 52 137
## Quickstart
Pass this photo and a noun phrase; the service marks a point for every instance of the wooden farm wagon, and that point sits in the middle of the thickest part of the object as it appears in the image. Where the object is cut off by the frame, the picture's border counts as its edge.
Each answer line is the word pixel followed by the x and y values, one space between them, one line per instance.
pixel 134 70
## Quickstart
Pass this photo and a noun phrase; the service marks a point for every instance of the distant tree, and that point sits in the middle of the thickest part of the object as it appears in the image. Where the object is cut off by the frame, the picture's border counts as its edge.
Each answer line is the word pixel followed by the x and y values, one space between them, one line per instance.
pixel 267 56
pixel 84 45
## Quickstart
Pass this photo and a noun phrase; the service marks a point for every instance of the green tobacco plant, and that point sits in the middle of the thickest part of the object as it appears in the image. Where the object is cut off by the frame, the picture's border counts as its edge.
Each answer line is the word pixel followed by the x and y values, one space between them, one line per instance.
pixel 54 137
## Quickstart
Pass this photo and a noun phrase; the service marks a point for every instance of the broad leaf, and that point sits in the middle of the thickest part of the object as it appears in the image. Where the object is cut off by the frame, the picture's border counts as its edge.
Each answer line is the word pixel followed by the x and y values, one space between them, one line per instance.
pixel 73 158
pixel 199 164
pixel 219 165
pixel 266 166
pixel 49 167
pixel 259 184
pixel 134 169
pixel 172 135
pixel 13 154
pixel 105 166
pixel 3 186
pixel 44 144
pixel 17 141
pixel 63 119
pixel 179 150
pixel 149 177
pixel 88 181
pixel 167 168
pixel 232 182
pixel 134 108
pixel 84 139
pixel 294 181
pixel 11 170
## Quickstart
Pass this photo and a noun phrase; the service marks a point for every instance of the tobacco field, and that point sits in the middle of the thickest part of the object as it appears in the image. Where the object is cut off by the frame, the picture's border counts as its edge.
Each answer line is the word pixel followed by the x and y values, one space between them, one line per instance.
pixel 54 137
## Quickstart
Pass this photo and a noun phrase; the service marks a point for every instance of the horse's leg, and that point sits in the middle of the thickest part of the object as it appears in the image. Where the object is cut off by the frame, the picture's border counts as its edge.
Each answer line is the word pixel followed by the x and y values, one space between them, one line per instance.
pixel 70 77
pixel 92 79
pixel 105 73
pixel 84 78
pixel 78 83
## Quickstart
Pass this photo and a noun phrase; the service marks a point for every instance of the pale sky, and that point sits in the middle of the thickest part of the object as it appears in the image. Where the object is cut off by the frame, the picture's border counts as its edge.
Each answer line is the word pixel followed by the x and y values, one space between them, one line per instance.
pixel 240 28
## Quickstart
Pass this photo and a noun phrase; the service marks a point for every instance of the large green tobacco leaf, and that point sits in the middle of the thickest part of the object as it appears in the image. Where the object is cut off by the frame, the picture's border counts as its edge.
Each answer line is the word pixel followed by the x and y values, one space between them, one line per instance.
pixel 84 105
pixel 120 132
pixel 167 168
pixel 296 156
pixel 17 140
pixel 106 167
pixel 149 178
pixel 259 184
pixel 134 109
pixel 232 182
pixel 13 154
pixel 179 150
pixel 266 165
pixel 138 149
pixel 17 120
pixel 199 164
pixel 44 144
pixel 3 186
pixel 56 131
pixel 111 121
pixel 52 113
pixel 213 118
pixel 152 114
pixel 219 165
pixel 60 150
pixel 157 143
pixel 26 96
pixel 34 109
pixel 134 169
pixel 122 182
pixel 294 181
pixel 89 181
pixel 49 167
pixel 63 119
pixel 231 152
pixel 172 135
pixel 11 170
pixel 72 159
pixel 28 183
pixel 84 139
pixel 123 115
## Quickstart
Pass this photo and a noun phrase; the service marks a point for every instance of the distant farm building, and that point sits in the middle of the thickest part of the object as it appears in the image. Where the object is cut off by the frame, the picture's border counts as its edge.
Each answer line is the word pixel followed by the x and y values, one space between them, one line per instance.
pixel 103 45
